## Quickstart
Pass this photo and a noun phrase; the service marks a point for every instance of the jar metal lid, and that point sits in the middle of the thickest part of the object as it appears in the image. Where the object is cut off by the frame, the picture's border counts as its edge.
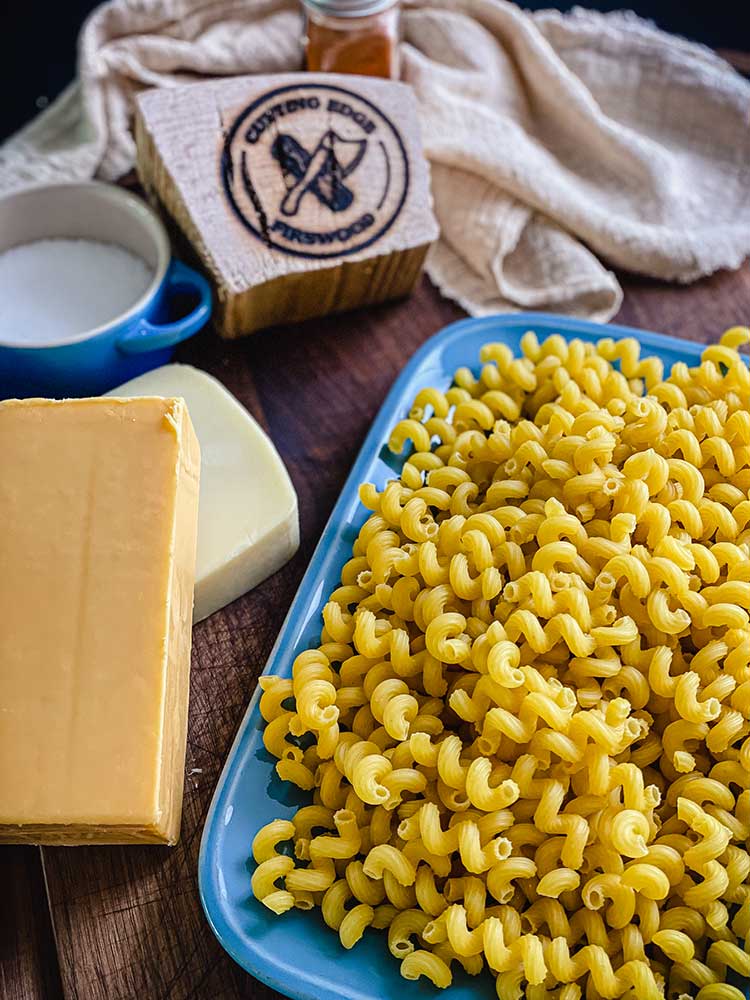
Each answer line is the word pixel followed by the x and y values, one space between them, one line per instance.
pixel 348 8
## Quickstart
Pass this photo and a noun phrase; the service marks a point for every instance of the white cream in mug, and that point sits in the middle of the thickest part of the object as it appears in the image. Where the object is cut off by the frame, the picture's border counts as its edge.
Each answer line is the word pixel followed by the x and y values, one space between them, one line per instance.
pixel 51 290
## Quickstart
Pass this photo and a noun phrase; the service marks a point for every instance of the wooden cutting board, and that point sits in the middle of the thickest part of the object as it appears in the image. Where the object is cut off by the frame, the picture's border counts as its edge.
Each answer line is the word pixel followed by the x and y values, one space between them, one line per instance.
pixel 128 920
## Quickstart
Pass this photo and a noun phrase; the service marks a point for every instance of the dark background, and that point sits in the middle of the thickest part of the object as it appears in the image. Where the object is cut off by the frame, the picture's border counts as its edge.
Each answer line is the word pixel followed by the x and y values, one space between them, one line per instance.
pixel 38 39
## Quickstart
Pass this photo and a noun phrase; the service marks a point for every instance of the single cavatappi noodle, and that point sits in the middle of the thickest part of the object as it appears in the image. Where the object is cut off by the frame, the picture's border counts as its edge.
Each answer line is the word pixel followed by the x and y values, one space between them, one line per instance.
pixel 525 729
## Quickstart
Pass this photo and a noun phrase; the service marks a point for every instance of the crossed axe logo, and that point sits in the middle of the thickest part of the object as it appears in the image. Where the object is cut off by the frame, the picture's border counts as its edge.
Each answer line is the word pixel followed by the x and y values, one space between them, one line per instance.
pixel 321 173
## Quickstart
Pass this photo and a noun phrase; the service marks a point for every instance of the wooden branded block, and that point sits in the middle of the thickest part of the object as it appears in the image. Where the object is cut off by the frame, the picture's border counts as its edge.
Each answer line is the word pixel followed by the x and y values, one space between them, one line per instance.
pixel 302 194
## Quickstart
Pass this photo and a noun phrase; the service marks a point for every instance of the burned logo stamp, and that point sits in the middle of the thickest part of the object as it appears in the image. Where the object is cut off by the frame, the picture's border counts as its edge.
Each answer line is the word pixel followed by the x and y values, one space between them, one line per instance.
pixel 315 170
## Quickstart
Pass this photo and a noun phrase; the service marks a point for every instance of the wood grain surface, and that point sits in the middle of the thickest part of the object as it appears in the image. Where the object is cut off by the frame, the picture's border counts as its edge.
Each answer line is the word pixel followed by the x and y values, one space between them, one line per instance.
pixel 28 961
pixel 127 920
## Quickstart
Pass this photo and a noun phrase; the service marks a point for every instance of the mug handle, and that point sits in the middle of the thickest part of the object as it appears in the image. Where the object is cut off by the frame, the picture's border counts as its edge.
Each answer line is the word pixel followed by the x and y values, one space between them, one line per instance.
pixel 148 336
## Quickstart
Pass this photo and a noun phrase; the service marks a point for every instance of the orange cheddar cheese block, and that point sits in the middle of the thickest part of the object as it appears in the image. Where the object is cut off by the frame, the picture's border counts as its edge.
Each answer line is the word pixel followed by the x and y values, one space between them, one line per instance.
pixel 98 508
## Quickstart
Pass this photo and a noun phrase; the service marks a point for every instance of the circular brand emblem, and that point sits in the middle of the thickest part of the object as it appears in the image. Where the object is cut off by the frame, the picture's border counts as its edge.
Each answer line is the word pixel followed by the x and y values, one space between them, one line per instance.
pixel 315 170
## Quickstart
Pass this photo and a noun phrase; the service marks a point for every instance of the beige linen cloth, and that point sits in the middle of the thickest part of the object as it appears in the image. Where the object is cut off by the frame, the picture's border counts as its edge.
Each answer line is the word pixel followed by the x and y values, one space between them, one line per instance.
pixel 559 144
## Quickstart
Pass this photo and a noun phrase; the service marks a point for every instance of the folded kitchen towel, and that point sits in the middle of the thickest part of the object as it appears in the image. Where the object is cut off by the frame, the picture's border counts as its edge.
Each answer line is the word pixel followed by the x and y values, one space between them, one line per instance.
pixel 560 144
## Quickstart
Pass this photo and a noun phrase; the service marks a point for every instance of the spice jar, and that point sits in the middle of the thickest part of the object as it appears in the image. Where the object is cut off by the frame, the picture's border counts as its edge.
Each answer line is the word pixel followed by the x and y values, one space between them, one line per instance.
pixel 352 36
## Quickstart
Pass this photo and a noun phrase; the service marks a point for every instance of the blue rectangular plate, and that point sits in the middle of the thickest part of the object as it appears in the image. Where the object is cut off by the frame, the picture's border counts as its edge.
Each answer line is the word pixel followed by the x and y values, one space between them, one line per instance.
pixel 297 954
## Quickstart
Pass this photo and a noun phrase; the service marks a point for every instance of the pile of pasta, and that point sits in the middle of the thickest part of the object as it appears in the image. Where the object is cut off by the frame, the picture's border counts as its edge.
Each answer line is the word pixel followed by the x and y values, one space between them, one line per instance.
pixel 525 729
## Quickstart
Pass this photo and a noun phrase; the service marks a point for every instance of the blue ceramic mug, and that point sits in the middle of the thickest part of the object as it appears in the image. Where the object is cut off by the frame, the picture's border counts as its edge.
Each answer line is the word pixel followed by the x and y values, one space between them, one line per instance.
pixel 92 361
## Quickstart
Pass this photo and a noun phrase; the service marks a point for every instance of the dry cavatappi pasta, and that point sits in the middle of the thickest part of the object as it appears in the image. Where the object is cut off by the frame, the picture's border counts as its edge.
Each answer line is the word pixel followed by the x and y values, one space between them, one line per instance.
pixel 525 729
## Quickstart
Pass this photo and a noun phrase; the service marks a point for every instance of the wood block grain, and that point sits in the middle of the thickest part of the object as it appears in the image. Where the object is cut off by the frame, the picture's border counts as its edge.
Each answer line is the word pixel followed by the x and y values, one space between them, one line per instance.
pixel 302 194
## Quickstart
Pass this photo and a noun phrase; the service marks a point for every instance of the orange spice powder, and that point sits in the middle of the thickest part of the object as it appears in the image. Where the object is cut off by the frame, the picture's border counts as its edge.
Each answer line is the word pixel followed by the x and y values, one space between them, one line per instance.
pixel 364 44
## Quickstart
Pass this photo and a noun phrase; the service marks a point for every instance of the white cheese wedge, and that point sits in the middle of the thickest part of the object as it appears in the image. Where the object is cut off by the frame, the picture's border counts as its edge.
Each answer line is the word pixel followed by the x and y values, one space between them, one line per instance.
pixel 248 524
